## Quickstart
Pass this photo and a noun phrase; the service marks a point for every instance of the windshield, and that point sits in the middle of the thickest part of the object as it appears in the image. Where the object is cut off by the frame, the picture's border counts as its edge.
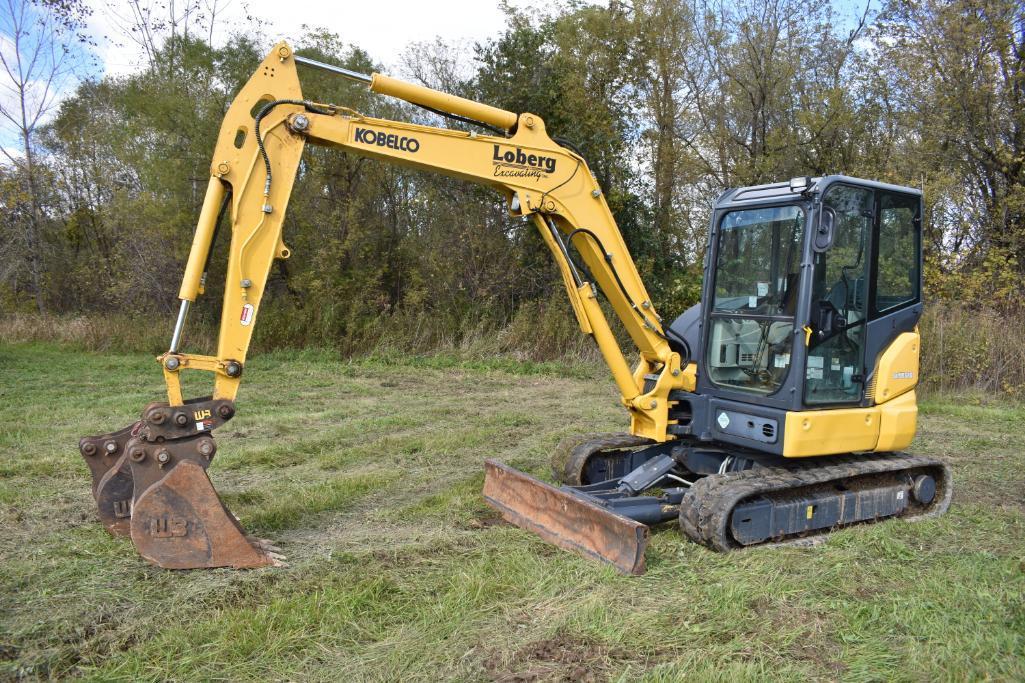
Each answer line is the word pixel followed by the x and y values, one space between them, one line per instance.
pixel 757 272
pixel 758 261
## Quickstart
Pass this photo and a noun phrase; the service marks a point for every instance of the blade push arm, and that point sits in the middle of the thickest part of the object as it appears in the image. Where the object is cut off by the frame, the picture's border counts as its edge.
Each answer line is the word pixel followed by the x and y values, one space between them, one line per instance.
pixel 541 180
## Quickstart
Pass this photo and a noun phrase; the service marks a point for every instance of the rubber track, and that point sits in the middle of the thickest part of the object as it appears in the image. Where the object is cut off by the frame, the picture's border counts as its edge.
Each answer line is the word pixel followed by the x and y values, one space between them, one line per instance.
pixel 572 453
pixel 706 509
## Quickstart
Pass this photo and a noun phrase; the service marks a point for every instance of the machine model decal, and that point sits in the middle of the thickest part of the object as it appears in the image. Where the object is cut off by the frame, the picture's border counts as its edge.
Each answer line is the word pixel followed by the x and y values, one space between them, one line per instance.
pixel 389 140
pixel 516 163
pixel 903 375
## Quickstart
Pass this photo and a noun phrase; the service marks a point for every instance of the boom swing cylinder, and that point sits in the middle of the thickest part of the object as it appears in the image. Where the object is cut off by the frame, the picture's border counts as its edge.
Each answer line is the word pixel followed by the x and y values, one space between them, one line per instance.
pixel 149 479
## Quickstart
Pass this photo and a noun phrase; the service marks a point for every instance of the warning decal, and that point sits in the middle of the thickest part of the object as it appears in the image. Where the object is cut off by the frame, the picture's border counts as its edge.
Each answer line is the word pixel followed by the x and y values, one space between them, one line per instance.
pixel 247 315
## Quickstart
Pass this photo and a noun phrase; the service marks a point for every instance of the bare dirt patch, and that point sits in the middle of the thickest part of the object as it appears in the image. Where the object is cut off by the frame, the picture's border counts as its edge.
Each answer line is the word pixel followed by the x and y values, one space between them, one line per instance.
pixel 563 657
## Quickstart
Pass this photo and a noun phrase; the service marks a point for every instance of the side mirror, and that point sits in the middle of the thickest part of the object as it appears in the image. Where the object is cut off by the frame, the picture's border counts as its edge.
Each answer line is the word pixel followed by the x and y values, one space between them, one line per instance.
pixel 824 232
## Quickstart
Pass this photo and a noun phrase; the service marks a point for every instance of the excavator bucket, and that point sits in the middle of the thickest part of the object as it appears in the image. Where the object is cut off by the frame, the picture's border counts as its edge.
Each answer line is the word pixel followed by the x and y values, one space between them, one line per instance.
pixel 567 520
pixel 179 522
pixel 112 487
pixel 150 483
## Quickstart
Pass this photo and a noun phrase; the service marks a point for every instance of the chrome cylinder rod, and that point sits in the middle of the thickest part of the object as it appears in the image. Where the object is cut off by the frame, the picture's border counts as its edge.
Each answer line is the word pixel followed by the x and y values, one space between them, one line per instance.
pixel 179 326
pixel 351 75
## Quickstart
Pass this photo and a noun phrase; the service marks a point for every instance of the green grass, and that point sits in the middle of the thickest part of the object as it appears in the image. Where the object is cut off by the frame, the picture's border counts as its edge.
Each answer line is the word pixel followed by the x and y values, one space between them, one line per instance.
pixel 367 474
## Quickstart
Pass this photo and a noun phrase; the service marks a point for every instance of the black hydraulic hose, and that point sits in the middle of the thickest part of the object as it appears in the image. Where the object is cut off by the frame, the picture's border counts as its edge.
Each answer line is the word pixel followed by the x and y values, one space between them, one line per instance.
pixel 462 119
pixel 565 252
pixel 566 143
pixel 626 294
pixel 309 106
pixel 549 191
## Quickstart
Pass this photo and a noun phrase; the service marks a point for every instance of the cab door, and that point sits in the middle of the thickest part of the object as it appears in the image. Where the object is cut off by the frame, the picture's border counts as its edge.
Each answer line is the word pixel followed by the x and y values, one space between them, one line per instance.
pixel 866 288
pixel 839 303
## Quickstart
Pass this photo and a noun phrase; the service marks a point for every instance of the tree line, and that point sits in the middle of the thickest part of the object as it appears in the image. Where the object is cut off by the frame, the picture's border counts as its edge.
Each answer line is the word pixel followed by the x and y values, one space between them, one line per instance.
pixel 671 102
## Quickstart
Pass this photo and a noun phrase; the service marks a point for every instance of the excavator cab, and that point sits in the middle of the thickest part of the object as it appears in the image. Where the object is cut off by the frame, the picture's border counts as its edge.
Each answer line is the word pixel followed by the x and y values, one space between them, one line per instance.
pixel 808 282
pixel 806 348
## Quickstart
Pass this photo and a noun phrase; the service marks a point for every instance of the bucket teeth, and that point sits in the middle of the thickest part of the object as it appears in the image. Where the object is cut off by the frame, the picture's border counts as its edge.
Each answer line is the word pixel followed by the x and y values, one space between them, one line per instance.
pixel 564 519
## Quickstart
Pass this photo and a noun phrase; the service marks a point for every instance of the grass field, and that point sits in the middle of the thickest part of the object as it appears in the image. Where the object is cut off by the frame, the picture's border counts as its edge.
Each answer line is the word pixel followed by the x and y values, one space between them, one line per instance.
pixel 368 476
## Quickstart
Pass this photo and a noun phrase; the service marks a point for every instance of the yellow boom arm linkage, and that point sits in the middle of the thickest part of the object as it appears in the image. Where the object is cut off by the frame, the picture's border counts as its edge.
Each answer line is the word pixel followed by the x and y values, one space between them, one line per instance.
pixel 540 179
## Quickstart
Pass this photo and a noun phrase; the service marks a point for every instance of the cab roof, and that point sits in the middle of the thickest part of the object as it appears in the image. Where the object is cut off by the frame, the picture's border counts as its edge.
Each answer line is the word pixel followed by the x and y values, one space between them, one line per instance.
pixel 779 192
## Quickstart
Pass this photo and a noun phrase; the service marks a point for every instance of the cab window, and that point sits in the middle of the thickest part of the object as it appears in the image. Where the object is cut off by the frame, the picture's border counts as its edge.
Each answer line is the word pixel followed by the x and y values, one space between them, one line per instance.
pixel 897 268
pixel 757 271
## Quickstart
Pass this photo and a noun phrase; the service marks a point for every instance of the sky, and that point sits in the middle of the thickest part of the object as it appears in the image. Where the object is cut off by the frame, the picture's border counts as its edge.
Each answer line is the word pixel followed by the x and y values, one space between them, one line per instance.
pixel 383 28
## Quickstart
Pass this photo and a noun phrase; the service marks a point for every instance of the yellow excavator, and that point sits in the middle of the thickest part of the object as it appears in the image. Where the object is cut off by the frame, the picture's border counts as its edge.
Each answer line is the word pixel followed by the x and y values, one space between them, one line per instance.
pixel 772 413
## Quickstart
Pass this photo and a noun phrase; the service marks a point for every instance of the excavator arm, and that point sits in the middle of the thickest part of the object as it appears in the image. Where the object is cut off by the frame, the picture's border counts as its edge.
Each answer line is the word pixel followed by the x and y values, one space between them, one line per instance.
pixel 541 180
pixel 149 479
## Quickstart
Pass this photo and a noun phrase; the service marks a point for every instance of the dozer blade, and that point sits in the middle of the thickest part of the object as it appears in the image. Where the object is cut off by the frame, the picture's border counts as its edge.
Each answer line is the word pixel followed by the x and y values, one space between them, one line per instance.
pixel 564 519
pixel 178 521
